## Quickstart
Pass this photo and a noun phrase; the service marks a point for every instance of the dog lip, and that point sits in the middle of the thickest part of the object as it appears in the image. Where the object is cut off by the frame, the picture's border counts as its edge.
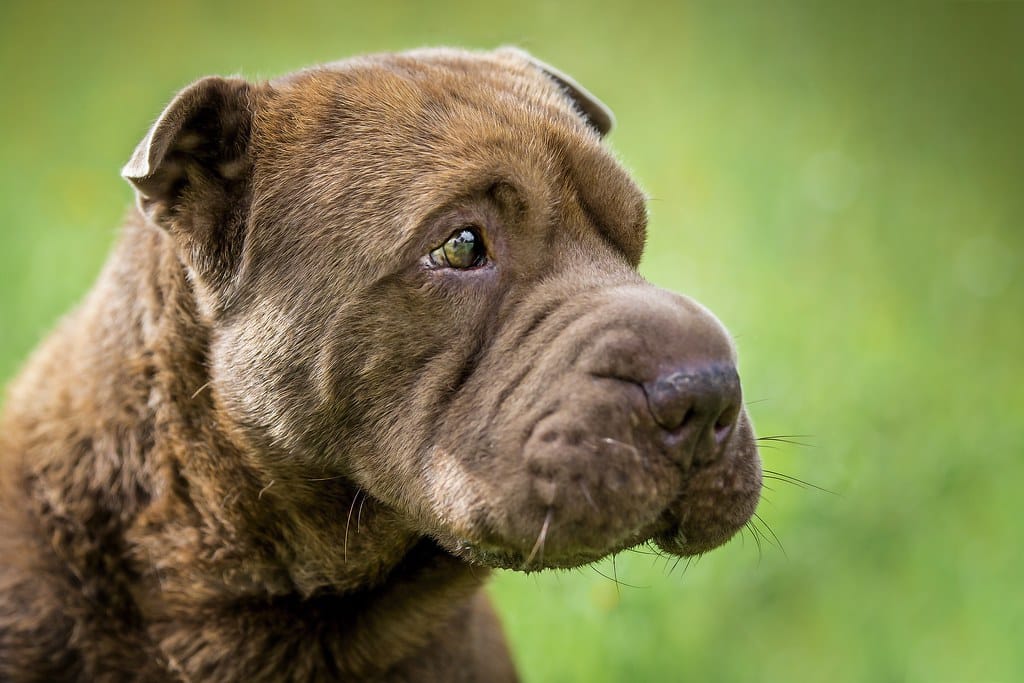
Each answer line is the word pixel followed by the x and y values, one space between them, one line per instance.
pixel 667 528
pixel 519 559
pixel 675 541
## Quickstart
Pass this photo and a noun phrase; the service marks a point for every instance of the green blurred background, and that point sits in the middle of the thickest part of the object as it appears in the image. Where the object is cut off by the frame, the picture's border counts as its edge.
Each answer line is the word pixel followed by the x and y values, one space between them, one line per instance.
pixel 843 187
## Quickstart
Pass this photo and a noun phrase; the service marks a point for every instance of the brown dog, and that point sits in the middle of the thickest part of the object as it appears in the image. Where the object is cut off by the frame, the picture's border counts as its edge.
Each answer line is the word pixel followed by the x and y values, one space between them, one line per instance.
pixel 376 328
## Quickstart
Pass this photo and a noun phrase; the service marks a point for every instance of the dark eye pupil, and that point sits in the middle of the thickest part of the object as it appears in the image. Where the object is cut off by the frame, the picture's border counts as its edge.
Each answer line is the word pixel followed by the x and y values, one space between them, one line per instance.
pixel 463 249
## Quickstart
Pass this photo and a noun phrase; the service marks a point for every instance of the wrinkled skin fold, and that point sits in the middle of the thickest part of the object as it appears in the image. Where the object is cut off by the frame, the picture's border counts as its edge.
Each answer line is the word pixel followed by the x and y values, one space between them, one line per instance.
pixel 284 439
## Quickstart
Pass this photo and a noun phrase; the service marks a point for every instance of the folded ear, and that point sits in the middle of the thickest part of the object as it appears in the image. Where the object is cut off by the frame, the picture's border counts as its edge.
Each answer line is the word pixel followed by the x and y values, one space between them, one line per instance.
pixel 191 171
pixel 595 112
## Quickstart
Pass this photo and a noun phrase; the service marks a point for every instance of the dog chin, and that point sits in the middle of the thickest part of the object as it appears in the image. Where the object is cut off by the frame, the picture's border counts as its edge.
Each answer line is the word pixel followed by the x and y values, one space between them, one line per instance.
pixel 712 507
pixel 500 557
pixel 667 535
pixel 671 541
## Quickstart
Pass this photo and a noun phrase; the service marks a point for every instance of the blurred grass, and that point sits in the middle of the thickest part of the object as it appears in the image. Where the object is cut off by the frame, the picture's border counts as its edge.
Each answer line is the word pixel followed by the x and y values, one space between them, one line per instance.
pixel 843 187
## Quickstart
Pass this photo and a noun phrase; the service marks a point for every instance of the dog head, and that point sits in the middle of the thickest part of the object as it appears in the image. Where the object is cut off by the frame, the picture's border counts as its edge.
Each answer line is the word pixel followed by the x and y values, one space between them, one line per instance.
pixel 419 272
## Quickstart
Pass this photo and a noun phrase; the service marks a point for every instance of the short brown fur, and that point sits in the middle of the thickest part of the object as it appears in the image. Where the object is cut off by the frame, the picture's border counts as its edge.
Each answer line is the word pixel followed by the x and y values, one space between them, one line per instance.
pixel 275 444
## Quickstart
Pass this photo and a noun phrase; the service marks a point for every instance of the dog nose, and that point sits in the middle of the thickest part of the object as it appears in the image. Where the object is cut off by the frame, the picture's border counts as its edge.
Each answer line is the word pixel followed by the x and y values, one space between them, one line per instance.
pixel 697 407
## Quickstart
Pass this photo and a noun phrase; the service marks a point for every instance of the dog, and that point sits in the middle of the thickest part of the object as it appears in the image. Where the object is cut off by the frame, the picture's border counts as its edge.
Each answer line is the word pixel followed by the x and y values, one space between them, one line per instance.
pixel 374 328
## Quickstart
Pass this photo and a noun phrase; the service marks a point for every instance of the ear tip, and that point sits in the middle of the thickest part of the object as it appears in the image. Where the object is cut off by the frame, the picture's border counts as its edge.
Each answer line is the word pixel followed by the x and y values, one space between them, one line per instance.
pixel 603 118
pixel 133 171
pixel 136 170
pixel 139 166
pixel 594 111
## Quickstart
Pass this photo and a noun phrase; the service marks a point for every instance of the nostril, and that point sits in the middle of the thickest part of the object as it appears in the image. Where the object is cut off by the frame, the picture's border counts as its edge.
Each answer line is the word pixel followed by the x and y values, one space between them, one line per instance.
pixel 671 400
pixel 710 393
pixel 725 422
pixel 700 404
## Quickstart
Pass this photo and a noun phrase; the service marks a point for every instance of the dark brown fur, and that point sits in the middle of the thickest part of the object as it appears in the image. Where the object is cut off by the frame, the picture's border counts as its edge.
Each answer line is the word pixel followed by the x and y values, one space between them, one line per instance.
pixel 271 445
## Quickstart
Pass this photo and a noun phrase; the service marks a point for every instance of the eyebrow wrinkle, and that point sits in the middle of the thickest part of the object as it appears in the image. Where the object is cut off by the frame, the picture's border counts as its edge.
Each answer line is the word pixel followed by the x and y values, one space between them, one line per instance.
pixel 609 235
pixel 613 226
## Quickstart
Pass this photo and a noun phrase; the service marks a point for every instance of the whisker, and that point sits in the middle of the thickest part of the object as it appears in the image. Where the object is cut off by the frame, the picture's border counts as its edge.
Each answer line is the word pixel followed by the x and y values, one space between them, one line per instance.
pixel 348 521
pixel 779 476
pixel 770 531
pixel 359 515
pixel 199 391
pixel 259 496
pixel 657 553
pixel 541 538
pixel 614 580
pixel 772 477
pixel 788 438
pixel 625 445
pixel 755 534
pixel 303 480
pixel 586 494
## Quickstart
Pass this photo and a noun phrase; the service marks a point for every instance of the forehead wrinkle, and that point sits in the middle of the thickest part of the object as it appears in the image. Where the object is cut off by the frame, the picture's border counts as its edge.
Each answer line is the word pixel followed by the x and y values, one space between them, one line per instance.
pixel 449 142
pixel 605 195
pixel 467 169
pixel 460 192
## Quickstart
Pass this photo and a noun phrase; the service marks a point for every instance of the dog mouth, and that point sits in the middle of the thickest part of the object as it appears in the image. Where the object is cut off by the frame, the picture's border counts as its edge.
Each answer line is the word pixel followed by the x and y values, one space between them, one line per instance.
pixel 681 513
pixel 668 534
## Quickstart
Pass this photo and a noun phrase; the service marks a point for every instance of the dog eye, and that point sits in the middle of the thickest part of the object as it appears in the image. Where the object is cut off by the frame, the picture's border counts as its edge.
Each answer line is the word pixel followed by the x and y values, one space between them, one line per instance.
pixel 464 249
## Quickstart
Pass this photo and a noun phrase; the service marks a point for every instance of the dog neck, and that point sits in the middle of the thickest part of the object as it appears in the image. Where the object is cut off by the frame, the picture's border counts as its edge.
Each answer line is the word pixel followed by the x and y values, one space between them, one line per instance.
pixel 204 535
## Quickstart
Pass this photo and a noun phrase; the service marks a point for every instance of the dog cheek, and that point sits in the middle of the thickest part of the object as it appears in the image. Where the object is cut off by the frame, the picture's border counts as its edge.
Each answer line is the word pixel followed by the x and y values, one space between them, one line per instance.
pixel 456 498
pixel 261 376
